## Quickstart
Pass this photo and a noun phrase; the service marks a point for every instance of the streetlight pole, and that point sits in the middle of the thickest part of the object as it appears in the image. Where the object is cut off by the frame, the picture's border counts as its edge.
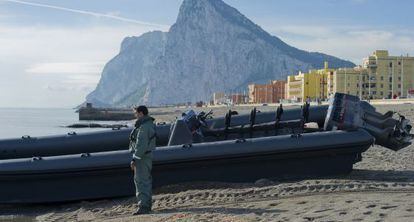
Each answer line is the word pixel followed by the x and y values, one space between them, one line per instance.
pixel 402 76
pixel 392 73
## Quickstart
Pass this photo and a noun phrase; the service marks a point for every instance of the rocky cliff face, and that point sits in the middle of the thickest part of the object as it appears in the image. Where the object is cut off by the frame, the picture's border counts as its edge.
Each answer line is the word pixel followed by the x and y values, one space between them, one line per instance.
pixel 125 78
pixel 211 47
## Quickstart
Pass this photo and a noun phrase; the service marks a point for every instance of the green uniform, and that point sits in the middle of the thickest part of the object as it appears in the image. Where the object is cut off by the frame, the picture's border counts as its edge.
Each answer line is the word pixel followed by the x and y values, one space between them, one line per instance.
pixel 141 146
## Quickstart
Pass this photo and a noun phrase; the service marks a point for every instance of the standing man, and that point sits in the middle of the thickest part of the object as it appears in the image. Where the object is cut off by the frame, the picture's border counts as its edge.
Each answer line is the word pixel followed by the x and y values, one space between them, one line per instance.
pixel 142 143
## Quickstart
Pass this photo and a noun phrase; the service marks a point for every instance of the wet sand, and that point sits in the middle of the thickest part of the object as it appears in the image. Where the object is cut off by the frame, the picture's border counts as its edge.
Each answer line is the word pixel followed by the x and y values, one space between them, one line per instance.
pixel 381 188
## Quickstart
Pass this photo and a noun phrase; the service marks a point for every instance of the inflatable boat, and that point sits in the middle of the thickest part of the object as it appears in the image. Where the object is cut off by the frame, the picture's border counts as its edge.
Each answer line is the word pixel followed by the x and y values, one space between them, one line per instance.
pixel 118 139
pixel 196 151
pixel 107 174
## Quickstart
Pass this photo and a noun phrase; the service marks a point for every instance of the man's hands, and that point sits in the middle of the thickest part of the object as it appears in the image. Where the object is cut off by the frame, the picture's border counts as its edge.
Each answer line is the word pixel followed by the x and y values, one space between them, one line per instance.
pixel 132 165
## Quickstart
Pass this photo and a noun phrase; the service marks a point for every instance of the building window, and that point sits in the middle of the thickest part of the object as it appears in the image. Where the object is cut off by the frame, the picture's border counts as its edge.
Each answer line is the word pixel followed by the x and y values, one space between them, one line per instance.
pixel 399 78
pixel 381 93
pixel 363 93
pixel 382 78
pixel 399 86
pixel 390 64
pixel 390 79
pixel 374 92
pixel 357 85
pixel 382 86
pixel 399 63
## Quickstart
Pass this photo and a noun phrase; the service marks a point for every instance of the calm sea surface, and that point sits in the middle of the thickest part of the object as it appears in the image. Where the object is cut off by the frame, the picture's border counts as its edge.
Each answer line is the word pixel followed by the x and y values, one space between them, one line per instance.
pixel 15 123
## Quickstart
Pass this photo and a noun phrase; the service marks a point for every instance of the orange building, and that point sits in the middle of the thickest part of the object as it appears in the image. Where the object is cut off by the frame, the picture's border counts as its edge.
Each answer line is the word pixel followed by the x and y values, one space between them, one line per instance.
pixel 267 93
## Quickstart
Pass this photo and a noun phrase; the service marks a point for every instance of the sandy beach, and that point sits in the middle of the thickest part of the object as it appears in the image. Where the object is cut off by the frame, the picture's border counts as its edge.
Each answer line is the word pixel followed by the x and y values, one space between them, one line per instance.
pixel 381 188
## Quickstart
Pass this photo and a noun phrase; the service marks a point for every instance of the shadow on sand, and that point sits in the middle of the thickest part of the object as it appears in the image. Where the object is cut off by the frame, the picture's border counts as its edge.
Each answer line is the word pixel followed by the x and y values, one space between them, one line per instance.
pixel 381 175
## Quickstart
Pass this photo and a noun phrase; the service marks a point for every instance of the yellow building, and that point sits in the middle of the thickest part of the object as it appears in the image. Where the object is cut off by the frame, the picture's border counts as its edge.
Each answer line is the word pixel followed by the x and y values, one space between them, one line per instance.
pixel 312 85
pixel 389 76
pixel 349 81
pixel 381 76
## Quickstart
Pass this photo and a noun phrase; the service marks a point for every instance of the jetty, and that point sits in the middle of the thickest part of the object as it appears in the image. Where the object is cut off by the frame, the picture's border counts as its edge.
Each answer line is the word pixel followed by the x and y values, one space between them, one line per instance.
pixel 105 114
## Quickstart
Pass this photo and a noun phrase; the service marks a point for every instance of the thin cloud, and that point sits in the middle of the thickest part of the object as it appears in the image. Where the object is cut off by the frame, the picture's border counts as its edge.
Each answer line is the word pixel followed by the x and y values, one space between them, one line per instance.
pixel 67 68
pixel 351 42
pixel 96 14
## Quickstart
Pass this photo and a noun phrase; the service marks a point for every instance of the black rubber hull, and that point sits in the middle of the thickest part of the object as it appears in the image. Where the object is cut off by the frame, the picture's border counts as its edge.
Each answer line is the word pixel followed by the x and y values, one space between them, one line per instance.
pixel 118 139
pixel 316 114
pixel 107 175
pixel 72 144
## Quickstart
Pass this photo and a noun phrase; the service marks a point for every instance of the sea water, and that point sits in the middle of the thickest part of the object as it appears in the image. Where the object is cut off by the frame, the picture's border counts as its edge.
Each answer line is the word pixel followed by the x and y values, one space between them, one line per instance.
pixel 35 122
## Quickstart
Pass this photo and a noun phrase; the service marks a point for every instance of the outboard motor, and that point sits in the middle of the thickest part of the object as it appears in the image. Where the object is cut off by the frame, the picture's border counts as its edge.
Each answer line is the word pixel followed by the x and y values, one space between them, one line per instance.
pixel 347 112
pixel 187 129
pixel 190 118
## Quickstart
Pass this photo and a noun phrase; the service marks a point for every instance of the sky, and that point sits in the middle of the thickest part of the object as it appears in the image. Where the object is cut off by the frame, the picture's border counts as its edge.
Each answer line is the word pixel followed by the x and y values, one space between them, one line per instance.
pixel 52 52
